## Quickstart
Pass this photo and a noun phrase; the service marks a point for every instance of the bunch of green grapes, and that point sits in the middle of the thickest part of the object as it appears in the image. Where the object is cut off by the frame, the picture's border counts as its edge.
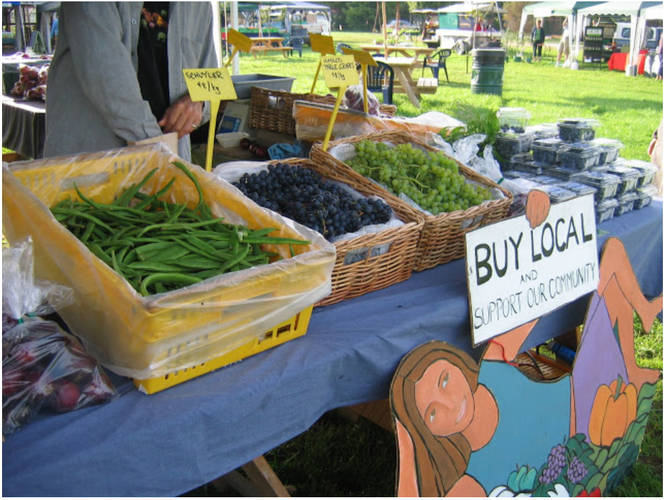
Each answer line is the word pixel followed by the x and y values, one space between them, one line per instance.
pixel 431 179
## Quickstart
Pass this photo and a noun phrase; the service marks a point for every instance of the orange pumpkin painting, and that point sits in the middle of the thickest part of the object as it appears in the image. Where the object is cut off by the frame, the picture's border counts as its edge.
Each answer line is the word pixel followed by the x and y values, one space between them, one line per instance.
pixel 614 408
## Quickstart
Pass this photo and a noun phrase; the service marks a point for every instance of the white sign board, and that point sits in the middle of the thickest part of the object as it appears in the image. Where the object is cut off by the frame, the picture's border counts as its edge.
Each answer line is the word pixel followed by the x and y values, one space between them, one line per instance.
pixel 516 274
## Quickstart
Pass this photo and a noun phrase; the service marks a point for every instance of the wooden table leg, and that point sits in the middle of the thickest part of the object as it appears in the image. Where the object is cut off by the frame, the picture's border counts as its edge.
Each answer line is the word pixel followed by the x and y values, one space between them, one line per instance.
pixel 261 480
pixel 408 86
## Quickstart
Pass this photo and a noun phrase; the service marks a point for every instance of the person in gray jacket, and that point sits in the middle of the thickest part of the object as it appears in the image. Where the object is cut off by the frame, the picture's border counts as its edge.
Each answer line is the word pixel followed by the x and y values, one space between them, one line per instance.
pixel 116 75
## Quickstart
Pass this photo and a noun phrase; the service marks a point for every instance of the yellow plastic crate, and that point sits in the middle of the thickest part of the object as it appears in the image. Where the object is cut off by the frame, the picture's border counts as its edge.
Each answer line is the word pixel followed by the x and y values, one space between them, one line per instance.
pixel 295 327
pixel 149 337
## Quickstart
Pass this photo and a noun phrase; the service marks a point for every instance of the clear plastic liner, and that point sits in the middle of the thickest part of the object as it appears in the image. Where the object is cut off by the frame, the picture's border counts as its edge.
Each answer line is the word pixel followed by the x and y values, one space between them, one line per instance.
pixel 144 337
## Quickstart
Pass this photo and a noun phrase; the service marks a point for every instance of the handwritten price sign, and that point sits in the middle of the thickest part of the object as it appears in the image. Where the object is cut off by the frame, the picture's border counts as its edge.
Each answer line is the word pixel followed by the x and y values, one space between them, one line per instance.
pixel 209 84
pixel 340 71
pixel 214 85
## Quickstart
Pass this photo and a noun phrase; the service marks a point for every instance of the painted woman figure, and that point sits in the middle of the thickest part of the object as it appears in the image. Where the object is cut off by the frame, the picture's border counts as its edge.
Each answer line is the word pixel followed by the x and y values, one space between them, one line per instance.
pixel 459 426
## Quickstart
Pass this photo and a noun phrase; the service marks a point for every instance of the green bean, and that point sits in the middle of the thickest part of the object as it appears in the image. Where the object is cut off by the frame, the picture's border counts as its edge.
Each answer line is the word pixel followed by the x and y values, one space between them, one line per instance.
pixel 241 255
pixel 148 200
pixel 178 278
pixel 153 267
pixel 276 241
pixel 125 198
pixel 177 225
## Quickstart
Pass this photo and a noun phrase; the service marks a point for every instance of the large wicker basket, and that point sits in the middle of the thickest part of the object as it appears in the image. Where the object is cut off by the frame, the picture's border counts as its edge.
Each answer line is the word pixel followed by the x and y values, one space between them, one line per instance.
pixel 372 261
pixel 272 109
pixel 442 238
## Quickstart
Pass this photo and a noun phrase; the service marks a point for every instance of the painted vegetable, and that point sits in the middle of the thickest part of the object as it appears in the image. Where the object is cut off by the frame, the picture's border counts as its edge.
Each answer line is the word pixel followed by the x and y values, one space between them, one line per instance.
pixel 159 246
pixel 537 207
pixel 614 409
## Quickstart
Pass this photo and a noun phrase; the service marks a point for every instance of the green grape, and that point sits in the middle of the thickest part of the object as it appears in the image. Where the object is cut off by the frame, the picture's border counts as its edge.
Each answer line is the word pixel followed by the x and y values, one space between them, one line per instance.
pixel 430 179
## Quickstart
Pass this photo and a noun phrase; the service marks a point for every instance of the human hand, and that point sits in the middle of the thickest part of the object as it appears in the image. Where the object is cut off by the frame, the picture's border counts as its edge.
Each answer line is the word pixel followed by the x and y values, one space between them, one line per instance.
pixel 182 117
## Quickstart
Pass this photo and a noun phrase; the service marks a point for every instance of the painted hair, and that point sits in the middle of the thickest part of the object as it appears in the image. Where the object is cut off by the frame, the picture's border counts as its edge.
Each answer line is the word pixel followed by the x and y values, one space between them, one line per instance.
pixel 439 460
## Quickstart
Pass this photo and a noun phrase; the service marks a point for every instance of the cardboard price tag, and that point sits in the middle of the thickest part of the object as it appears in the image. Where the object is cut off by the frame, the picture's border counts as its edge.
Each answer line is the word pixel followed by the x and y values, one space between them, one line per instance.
pixel 339 71
pixel 211 84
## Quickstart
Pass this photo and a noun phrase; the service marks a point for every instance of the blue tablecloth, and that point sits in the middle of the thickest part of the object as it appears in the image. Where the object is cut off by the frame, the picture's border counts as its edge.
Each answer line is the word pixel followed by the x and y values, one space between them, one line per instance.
pixel 171 442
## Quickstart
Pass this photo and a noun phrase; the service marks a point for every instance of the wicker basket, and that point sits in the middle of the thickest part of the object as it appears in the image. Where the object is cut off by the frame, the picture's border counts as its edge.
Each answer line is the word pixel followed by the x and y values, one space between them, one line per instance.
pixel 372 261
pixel 272 109
pixel 442 238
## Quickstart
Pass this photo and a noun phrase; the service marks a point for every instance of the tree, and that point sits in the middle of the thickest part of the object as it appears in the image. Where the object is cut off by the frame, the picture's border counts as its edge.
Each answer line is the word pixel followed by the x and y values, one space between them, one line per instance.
pixel 512 16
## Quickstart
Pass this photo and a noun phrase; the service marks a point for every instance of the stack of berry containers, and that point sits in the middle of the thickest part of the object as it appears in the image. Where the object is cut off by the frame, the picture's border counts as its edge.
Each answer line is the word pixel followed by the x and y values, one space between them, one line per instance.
pixel 581 164
pixel 513 139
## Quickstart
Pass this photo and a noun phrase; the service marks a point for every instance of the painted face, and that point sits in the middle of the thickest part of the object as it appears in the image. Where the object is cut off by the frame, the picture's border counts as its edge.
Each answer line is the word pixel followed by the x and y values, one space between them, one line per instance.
pixel 444 398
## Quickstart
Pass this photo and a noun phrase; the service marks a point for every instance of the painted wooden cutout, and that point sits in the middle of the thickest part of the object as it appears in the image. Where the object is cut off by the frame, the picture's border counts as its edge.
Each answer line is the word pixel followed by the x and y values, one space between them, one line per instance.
pixel 469 429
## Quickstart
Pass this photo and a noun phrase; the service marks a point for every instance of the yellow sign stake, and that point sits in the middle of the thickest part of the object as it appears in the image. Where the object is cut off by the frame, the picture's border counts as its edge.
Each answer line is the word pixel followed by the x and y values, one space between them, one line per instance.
pixel 339 72
pixel 239 41
pixel 325 46
pixel 213 85
pixel 364 59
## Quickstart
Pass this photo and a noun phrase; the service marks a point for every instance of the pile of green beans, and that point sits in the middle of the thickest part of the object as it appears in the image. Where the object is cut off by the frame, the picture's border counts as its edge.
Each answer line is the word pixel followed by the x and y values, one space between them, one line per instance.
pixel 159 246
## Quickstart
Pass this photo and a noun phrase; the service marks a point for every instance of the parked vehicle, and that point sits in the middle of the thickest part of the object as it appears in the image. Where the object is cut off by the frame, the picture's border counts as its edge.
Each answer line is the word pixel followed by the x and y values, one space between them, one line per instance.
pixel 295 17
pixel 456 29
pixel 402 25
pixel 622 36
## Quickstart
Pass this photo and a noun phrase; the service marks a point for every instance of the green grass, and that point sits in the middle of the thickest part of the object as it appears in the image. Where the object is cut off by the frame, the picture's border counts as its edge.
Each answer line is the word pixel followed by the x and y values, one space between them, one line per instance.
pixel 628 108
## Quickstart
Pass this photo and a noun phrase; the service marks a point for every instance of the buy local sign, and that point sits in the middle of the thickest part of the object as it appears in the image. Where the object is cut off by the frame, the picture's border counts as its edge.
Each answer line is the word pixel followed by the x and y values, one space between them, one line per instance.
pixel 516 274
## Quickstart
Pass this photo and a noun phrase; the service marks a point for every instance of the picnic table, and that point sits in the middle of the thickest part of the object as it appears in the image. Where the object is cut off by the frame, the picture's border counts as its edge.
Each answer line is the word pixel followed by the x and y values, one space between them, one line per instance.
pixel 268 44
pixel 171 442
pixel 403 67
pixel 405 50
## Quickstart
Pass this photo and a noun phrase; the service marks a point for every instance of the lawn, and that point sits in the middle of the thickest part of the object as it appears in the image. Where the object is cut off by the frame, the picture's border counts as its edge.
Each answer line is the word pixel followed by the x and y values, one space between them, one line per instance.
pixel 337 457
pixel 628 108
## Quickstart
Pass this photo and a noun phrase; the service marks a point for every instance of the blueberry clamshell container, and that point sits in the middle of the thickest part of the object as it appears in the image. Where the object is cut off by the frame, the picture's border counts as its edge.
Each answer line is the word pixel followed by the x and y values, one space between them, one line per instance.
pixel 609 149
pixel 606 184
pixel 605 209
pixel 509 144
pixel 628 176
pixel 547 151
pixel 547 179
pixel 577 129
pixel 626 203
pixel 579 156
pixel 646 169
pixel 644 198
pixel 562 173
pixel 578 188
pixel 543 130
pixel 516 118
pixel 556 193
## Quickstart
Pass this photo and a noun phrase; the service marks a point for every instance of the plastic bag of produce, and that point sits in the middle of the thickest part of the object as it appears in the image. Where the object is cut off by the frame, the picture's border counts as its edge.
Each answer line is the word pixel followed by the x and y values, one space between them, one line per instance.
pixel 312 122
pixel 354 99
pixel 44 369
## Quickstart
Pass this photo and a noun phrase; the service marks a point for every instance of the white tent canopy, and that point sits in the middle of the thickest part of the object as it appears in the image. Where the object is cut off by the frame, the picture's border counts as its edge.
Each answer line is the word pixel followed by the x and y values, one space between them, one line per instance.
pixel 548 9
pixel 637 12
pixel 654 12
pixel 471 6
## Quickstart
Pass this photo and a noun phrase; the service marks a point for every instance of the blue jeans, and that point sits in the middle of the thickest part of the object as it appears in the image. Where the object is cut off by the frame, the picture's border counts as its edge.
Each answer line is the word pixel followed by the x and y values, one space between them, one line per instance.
pixel 537 49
